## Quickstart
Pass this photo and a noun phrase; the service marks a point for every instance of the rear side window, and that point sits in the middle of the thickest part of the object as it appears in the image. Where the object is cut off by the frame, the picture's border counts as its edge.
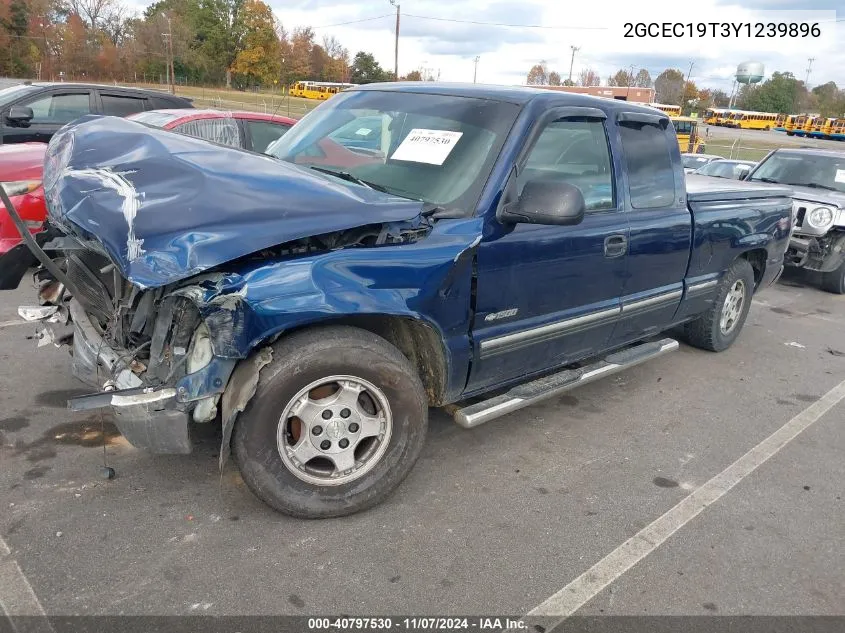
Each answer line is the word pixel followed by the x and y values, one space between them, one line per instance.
pixel 223 130
pixel 648 160
pixel 121 105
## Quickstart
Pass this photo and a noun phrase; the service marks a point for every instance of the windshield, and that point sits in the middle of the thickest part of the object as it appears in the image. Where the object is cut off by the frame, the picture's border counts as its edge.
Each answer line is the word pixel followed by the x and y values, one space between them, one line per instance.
pixel 7 95
pixel 694 162
pixel 682 127
pixel 722 169
pixel 435 148
pixel 808 170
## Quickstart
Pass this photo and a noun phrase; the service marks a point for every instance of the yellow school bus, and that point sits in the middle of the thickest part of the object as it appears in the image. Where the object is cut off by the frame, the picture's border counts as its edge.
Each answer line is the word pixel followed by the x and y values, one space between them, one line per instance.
pixel 780 122
pixel 686 129
pixel 725 117
pixel 755 120
pixel 790 123
pixel 320 90
pixel 805 124
pixel 837 130
pixel 711 115
pixel 671 110
pixel 822 127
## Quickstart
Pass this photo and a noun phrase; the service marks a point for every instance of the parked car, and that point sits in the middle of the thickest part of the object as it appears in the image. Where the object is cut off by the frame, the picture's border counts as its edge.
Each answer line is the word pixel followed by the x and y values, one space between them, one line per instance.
pixel 724 168
pixel 817 176
pixel 34 111
pixel 508 245
pixel 696 161
pixel 22 164
pixel 252 131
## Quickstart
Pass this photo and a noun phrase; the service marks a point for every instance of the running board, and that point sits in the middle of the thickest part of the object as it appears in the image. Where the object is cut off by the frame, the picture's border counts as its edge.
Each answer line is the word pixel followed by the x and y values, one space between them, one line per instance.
pixel 531 393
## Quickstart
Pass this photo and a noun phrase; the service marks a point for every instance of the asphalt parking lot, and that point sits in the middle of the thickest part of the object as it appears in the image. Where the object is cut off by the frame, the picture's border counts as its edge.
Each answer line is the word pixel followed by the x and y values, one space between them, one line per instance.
pixel 494 520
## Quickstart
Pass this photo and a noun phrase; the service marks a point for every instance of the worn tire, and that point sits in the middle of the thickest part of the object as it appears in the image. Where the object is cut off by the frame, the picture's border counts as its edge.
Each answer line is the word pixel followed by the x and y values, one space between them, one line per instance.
pixel 834 281
pixel 706 331
pixel 299 360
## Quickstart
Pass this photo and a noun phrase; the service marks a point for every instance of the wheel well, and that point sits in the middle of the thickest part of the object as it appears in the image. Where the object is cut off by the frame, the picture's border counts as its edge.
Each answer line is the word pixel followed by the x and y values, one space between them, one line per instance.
pixel 418 341
pixel 757 259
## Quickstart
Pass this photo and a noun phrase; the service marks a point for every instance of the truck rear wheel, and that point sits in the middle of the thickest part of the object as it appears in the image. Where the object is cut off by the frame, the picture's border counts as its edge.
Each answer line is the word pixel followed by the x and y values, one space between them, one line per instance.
pixel 718 328
pixel 337 422
pixel 834 281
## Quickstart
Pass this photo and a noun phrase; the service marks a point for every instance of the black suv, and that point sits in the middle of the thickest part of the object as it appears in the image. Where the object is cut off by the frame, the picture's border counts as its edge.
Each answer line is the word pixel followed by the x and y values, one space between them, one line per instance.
pixel 34 111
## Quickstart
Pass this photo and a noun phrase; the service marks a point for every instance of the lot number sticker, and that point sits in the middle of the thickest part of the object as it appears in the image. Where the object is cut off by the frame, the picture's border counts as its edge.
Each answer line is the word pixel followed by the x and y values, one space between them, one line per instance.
pixel 427 146
pixel 840 175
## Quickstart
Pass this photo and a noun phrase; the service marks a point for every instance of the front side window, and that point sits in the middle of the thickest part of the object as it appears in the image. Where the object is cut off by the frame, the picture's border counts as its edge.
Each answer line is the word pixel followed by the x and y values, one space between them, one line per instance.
pixel 438 149
pixel 577 152
pixel 648 158
pixel 60 108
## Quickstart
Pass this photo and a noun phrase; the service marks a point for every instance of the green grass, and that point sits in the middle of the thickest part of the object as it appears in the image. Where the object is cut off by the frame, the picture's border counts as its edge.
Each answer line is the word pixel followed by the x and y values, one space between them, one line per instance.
pixel 270 102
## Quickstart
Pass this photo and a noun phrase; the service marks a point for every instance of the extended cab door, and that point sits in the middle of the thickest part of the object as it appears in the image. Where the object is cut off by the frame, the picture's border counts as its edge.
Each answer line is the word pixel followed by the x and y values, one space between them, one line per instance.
pixel 549 294
pixel 660 225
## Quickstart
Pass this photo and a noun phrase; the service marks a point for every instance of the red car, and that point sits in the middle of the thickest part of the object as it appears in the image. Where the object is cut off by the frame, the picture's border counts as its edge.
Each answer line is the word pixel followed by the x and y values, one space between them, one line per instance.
pixel 21 167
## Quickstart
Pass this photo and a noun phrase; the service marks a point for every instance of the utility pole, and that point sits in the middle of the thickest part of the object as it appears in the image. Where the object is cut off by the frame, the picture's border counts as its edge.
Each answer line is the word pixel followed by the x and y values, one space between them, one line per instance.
pixel 575 49
pixel 475 70
pixel 686 83
pixel 630 81
pixel 396 49
pixel 169 35
pixel 809 70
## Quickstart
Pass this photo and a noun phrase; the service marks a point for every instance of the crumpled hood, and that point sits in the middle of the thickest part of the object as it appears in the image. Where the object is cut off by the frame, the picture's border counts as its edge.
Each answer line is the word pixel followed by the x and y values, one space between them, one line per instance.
pixel 165 206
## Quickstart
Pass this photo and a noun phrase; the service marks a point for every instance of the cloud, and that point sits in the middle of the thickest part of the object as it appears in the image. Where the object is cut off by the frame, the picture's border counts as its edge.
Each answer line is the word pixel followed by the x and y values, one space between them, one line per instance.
pixel 598 31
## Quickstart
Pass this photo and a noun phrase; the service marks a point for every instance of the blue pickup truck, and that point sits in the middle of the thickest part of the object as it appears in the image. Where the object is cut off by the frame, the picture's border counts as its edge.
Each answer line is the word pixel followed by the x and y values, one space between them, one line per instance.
pixel 485 249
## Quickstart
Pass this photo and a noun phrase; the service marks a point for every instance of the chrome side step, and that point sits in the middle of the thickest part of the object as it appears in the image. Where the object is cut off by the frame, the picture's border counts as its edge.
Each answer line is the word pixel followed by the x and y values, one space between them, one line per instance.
pixel 531 393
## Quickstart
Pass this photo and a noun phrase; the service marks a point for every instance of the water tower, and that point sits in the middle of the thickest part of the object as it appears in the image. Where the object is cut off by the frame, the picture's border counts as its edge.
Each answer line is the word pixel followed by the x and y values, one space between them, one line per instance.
pixel 747 73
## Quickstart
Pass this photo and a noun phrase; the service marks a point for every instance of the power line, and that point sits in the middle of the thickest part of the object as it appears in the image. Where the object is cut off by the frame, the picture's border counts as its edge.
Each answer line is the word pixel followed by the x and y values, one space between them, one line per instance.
pixel 377 17
pixel 516 26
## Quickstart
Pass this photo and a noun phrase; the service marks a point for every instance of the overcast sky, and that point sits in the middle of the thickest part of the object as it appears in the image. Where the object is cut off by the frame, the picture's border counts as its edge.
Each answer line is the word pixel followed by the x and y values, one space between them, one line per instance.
pixel 596 27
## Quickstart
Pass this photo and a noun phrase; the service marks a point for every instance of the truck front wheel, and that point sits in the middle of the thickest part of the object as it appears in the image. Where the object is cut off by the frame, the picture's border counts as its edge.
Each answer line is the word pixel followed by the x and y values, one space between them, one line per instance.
pixel 337 422
pixel 718 328
pixel 834 281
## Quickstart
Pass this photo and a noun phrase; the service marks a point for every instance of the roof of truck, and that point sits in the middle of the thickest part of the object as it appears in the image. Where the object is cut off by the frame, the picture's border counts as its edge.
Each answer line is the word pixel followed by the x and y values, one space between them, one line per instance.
pixel 519 95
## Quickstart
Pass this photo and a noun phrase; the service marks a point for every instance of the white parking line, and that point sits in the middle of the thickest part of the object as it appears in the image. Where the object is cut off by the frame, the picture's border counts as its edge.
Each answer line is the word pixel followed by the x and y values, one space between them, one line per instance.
pixel 573 596
pixel 17 598
pixel 11 323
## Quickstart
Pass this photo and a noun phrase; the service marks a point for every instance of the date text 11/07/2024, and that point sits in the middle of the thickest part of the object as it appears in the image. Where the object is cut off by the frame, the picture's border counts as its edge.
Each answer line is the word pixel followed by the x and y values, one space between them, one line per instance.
pixel 491 623
pixel 722 29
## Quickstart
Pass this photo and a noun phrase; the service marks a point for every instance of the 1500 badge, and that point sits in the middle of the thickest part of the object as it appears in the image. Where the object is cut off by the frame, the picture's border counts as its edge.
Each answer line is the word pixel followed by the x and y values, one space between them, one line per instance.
pixel 504 314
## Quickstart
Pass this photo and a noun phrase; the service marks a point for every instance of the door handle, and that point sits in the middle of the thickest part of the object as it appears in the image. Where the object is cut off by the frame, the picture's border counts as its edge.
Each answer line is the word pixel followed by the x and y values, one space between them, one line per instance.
pixel 615 245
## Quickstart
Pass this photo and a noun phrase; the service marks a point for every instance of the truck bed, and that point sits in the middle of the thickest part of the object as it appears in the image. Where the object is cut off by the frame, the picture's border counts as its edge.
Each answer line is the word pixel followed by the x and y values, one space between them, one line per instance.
pixel 708 188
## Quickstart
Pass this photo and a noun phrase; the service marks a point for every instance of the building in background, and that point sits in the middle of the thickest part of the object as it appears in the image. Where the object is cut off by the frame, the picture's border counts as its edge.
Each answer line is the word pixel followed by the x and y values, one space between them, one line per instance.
pixel 622 93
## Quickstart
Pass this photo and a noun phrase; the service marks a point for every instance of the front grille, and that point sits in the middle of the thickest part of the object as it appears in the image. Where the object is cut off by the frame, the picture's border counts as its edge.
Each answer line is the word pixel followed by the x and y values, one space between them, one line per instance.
pixel 84 271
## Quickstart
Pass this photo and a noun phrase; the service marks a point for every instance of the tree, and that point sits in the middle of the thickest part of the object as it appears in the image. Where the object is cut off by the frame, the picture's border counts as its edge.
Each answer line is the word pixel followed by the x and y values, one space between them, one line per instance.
pixel 720 99
pixel 643 79
pixel 298 59
pixel 365 69
pixel 538 75
pixel 589 77
pixel 830 99
pixel 690 94
pixel 782 92
pixel 554 78
pixel 568 82
pixel 414 75
pixel 669 86
pixel 259 61
pixel 621 78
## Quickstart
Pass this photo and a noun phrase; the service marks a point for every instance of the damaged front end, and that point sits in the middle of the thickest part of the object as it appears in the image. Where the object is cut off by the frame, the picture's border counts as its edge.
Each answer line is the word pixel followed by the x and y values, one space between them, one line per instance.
pixel 159 240
pixel 149 353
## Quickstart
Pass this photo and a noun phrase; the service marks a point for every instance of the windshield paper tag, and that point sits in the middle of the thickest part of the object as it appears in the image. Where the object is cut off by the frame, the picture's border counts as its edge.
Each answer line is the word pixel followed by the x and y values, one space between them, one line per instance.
pixel 840 175
pixel 427 146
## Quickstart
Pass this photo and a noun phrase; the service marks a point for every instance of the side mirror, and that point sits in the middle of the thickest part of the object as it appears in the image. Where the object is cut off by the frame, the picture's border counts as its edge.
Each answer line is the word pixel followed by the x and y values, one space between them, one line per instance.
pixel 21 115
pixel 546 202
pixel 742 172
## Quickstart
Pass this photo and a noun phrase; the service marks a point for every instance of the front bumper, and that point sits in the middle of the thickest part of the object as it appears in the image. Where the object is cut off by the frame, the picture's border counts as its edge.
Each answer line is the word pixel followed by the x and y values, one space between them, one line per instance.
pixel 149 418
